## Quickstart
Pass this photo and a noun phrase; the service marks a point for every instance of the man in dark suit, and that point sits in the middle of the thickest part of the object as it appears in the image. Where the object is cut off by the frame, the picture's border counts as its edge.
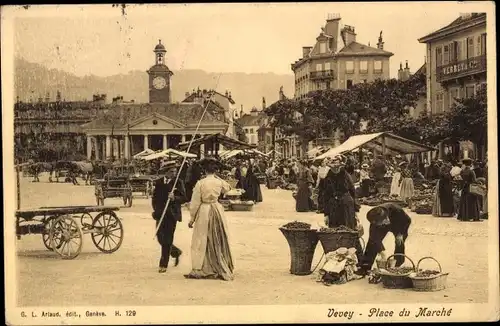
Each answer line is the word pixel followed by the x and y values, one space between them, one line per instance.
pixel 385 218
pixel 162 192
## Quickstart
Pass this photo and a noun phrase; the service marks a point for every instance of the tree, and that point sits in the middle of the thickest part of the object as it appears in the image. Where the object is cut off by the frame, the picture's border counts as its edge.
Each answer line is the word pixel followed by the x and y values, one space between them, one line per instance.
pixel 297 117
pixel 469 119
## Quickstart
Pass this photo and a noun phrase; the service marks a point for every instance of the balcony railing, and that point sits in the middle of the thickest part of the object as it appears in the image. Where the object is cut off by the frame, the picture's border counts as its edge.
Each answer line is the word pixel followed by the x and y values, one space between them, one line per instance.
pixel 322 74
pixel 462 68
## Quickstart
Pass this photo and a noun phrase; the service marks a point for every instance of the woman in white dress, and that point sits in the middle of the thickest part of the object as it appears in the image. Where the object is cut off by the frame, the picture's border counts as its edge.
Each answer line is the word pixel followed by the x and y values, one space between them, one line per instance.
pixel 395 184
pixel 210 252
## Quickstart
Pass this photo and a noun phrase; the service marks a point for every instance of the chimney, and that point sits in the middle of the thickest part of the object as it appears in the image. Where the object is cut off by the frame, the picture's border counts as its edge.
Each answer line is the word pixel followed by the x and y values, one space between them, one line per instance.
pixel 400 71
pixel 380 44
pixel 281 94
pixel 407 71
pixel 263 103
pixel 348 35
pixel 332 29
pixel 226 94
pixel 305 51
pixel 241 111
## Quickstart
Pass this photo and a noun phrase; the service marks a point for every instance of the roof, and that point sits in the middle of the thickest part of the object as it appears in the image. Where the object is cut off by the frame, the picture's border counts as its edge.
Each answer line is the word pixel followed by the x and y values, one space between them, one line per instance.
pixel 193 95
pixel 121 115
pixel 252 120
pixel 358 49
pixel 226 141
pixel 394 145
pixel 459 23
pixel 422 70
pixel 159 47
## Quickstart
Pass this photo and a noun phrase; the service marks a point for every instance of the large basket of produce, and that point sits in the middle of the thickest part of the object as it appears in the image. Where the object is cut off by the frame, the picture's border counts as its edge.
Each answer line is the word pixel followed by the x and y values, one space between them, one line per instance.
pixel 428 280
pixel 397 277
pixel 424 209
pixel 334 238
pixel 302 242
pixel 241 205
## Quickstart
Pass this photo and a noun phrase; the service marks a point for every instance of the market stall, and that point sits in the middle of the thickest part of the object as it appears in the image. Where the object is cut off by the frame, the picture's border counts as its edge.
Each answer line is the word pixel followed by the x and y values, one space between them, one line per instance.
pixel 382 142
pixel 167 153
pixel 210 144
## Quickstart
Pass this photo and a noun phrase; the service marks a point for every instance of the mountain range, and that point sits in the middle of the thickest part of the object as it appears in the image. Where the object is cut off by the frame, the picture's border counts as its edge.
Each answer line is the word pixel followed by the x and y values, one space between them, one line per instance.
pixel 33 80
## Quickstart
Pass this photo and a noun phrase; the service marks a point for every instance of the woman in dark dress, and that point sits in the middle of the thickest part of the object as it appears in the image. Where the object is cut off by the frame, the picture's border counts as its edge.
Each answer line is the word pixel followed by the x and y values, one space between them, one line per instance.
pixel 469 203
pixel 303 201
pixel 339 197
pixel 444 192
pixel 320 184
pixel 252 190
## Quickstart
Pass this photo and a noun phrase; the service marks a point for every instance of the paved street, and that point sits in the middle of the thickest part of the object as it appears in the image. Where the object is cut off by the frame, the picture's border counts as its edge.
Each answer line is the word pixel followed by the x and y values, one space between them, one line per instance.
pixel 261 254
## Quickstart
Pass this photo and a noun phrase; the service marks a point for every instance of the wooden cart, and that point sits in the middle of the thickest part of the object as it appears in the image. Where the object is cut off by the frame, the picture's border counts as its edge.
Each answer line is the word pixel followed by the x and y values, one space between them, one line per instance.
pixel 113 187
pixel 62 233
pixel 142 184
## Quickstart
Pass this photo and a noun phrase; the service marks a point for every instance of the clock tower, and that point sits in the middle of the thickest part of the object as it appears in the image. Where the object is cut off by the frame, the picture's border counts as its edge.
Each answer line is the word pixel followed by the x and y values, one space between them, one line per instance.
pixel 159 77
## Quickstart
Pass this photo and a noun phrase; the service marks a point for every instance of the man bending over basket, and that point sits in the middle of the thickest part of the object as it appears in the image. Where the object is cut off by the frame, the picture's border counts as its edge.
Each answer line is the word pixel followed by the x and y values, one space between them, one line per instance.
pixel 385 218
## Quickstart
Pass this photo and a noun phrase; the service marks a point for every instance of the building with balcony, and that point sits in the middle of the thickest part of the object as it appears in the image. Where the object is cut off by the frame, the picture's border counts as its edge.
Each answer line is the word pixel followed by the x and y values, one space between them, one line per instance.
pixel 456 61
pixel 338 61
pixel 456 68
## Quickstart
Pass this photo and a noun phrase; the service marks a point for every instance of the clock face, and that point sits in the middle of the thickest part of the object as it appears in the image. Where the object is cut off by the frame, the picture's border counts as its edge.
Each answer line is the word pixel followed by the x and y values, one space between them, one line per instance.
pixel 159 82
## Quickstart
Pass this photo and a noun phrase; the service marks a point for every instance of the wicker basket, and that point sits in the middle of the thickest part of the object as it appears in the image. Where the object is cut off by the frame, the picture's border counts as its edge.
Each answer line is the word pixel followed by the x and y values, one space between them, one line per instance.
pixel 242 207
pixel 429 283
pixel 396 281
pixel 302 246
pixel 331 241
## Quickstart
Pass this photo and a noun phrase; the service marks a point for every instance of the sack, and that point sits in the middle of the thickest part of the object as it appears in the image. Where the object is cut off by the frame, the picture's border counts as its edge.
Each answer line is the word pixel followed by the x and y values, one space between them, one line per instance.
pixel 477 189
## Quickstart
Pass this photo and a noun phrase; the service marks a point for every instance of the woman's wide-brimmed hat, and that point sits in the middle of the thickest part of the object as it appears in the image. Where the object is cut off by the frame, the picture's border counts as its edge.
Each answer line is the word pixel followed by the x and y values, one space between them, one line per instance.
pixel 466 160
pixel 364 165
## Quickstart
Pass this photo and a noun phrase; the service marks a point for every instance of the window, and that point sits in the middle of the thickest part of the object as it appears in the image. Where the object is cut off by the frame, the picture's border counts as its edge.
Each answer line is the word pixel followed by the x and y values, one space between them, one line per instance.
pixel 251 130
pixel 246 131
pixel 439 56
pixel 327 85
pixel 478 46
pixel 469 91
pixel 377 66
pixel 322 47
pixel 458 51
pixel 319 67
pixel 446 54
pixel 268 139
pixel 453 52
pixel 349 67
pixel 349 83
pixel 470 47
pixel 363 66
pixel 439 103
pixel 327 66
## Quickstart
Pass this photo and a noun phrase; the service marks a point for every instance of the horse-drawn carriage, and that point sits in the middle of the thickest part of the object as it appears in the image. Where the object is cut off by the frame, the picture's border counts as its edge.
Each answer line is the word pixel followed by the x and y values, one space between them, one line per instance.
pixel 114 187
pixel 61 231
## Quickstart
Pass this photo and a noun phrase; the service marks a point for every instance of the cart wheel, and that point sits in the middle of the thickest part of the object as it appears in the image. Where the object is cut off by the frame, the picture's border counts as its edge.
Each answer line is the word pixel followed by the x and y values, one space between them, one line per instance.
pixel 108 232
pixel 68 231
pixel 46 235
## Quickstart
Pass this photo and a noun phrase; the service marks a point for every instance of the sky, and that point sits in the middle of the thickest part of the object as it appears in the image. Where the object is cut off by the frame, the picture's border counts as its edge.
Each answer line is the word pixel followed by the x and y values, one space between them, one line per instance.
pixel 251 38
